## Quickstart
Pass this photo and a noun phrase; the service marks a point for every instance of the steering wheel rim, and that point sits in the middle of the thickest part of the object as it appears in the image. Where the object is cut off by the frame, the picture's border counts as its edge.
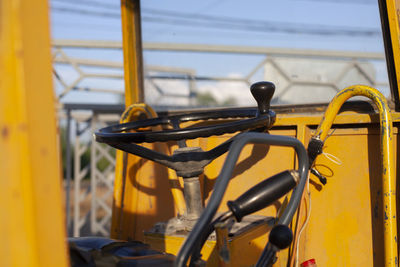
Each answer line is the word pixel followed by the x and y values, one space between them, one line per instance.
pixel 115 133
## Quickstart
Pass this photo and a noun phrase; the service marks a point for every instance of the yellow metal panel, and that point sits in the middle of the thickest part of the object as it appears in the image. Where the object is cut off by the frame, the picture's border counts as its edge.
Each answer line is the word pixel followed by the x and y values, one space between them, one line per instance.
pixel 132 46
pixel 122 205
pixel 346 222
pixel 32 220
pixel 352 196
pixel 147 195
pixel 340 229
pixel 130 114
pixel 147 198
pixel 172 244
pixel 245 248
pixel 347 214
pixel 386 155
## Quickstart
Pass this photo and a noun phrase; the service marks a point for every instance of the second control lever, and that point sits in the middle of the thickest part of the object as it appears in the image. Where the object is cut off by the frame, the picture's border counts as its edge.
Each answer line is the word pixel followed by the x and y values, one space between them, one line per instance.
pixel 263 194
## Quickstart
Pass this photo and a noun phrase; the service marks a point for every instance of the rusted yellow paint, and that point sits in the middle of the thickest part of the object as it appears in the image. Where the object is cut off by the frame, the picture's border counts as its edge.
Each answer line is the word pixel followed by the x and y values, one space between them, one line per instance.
pixel 32 222
pixel 346 224
pixel 387 155
pixel 353 193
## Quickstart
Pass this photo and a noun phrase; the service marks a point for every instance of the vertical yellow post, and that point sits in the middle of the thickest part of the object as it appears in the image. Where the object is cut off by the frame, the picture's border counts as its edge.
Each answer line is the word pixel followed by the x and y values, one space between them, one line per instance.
pixel 134 95
pixel 390 10
pixel 132 47
pixel 32 222
pixel 133 75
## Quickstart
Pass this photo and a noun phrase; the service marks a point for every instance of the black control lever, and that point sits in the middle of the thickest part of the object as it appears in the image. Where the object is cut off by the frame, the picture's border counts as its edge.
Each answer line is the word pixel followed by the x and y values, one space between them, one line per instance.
pixel 263 194
pixel 256 198
pixel 262 93
pixel 201 228
pixel 321 178
pixel 280 237
pixel 314 149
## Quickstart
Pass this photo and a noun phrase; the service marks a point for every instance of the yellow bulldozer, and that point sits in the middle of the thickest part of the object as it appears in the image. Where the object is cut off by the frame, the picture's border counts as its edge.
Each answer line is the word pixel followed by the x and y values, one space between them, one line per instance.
pixel 215 187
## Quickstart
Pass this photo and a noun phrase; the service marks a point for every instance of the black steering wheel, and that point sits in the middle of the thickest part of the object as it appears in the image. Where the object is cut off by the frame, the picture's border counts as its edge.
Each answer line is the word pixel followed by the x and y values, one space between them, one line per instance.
pixel 117 133
pixel 255 118
pixel 258 119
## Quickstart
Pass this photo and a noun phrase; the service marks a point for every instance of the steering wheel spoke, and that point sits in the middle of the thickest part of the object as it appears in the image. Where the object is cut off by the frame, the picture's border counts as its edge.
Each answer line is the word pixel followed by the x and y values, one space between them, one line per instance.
pixel 175 161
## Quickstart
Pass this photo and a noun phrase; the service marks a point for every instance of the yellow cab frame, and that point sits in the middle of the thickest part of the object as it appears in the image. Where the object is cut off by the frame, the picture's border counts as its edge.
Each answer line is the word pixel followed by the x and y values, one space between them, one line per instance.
pixel 353 220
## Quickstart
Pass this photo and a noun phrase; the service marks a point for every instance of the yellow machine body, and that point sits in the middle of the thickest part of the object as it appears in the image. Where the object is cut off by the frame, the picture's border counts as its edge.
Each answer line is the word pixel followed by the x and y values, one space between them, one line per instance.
pixel 347 225
pixel 348 215
pixel 32 219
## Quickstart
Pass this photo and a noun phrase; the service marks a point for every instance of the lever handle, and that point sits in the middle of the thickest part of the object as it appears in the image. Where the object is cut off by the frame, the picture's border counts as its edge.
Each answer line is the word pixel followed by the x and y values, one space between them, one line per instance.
pixel 262 93
pixel 263 194
pixel 281 236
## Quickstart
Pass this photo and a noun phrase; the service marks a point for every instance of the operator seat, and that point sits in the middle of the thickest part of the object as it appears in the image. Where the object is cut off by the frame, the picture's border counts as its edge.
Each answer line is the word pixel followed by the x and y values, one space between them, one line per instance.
pixel 100 251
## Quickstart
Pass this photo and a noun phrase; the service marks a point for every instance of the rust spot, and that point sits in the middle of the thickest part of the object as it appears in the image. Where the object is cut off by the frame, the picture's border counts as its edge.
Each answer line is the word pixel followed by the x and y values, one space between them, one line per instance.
pixel 5 132
pixel 19 53
pixel 16 194
pixel 386 217
pixel 22 127
pixel 43 151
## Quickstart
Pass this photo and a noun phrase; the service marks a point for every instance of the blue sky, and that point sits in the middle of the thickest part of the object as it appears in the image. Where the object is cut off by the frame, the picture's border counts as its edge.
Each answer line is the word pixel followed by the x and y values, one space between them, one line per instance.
pixel 363 15
pixel 351 25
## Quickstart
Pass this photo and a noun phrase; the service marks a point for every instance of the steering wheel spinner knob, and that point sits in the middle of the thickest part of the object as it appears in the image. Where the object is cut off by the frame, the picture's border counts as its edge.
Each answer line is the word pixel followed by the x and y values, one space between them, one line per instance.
pixel 262 93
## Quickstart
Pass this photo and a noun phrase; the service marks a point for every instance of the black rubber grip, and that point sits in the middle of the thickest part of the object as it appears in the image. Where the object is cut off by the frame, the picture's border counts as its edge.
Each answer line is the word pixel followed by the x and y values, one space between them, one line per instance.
pixel 263 194
pixel 281 236
pixel 262 93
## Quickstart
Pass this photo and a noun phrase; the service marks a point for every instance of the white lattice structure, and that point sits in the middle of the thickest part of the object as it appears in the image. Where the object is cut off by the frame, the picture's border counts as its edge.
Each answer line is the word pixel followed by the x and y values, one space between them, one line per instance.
pixel 81 73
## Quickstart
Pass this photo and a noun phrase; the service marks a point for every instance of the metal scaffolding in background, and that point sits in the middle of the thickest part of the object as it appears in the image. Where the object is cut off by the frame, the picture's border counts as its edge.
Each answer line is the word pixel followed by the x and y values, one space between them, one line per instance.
pixel 88 208
pixel 90 213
